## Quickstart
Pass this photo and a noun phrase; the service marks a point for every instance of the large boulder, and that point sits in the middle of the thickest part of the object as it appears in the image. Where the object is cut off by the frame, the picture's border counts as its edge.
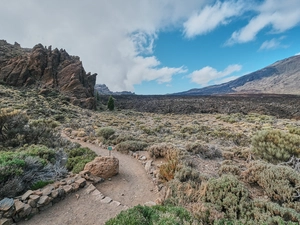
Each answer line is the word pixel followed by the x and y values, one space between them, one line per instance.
pixel 105 166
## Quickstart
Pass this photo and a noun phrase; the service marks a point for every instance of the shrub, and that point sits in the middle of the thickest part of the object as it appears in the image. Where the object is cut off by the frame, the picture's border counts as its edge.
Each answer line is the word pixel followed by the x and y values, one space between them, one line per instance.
pixel 275 145
pixel 160 150
pixel 41 151
pixel 105 132
pixel 278 182
pixel 205 151
pixel 145 215
pixel 111 103
pixel 78 157
pixel 133 146
pixel 40 184
pixel 228 195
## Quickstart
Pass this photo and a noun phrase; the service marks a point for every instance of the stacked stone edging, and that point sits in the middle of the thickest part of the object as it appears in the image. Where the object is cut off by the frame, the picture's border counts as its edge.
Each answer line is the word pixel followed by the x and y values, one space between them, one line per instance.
pixel 13 210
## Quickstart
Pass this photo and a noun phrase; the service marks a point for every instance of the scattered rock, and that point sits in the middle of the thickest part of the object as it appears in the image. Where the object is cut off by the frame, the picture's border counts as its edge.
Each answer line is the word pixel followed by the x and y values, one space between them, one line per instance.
pixel 44 200
pixel 106 200
pixel 26 195
pixel 6 221
pixel 81 182
pixel 6 204
pixel 90 188
pixel 115 203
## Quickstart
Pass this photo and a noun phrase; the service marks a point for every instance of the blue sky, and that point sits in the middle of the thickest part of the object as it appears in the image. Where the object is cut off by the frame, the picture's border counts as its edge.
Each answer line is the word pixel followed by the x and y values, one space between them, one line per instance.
pixel 159 46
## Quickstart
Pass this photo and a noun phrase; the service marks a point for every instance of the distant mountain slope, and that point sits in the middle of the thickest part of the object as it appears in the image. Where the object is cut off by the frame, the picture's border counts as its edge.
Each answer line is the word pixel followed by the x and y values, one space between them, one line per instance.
pixel 102 89
pixel 282 77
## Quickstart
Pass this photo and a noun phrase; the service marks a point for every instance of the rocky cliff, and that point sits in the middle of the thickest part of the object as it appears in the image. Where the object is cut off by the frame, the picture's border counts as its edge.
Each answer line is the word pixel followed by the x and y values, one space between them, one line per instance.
pixel 47 69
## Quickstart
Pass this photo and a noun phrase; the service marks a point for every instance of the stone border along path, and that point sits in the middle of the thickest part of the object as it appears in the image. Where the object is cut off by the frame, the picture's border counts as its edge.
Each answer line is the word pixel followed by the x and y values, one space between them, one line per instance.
pixel 96 203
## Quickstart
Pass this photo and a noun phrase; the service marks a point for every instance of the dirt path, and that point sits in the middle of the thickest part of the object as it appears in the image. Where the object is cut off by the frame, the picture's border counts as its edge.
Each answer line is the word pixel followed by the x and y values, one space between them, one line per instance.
pixel 132 186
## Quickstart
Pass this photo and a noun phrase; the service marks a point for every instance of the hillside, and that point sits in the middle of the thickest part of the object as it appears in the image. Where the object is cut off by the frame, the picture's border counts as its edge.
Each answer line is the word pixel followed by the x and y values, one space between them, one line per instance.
pixel 282 77
pixel 102 89
pixel 47 70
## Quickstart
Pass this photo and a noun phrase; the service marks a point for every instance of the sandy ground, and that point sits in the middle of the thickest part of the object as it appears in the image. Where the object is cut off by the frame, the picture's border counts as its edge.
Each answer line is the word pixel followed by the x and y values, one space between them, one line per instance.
pixel 132 186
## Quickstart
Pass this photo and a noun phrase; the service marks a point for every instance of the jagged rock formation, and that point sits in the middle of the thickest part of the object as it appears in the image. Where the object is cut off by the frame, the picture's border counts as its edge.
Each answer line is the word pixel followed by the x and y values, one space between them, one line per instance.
pixel 102 89
pixel 47 69
pixel 282 77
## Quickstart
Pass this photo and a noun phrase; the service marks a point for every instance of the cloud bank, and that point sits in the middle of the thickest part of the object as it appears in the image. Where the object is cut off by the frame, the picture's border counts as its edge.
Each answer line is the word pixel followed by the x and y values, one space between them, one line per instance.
pixel 116 38
pixel 208 74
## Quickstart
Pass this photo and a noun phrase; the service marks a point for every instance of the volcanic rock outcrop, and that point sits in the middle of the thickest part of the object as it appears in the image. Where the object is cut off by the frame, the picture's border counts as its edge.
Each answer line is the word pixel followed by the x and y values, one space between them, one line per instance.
pixel 47 69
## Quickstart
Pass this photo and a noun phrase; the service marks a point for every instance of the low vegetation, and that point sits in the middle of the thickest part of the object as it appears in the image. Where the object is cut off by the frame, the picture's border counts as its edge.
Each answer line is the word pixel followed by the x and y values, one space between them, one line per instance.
pixel 214 168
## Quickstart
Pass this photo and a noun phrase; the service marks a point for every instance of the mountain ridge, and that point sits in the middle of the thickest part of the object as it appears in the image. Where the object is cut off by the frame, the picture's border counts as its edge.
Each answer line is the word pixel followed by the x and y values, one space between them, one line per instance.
pixel 281 77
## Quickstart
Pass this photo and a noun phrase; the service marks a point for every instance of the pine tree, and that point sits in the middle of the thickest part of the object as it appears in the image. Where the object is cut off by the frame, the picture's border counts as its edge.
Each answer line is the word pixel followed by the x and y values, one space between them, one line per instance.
pixel 111 103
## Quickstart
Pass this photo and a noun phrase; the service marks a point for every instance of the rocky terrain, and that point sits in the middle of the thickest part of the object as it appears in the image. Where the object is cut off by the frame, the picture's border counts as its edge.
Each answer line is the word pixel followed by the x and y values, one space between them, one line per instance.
pixel 102 89
pixel 47 70
pixel 283 106
pixel 282 77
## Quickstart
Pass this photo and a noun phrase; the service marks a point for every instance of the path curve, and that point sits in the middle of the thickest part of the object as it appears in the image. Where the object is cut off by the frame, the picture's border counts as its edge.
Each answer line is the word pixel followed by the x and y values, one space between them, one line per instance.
pixel 132 186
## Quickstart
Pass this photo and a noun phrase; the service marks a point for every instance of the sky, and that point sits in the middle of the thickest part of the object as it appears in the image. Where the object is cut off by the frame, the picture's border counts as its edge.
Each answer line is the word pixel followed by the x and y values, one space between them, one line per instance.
pixel 159 46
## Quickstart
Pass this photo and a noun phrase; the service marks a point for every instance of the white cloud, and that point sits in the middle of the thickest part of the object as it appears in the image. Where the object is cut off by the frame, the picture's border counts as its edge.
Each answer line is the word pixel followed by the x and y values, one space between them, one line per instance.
pixel 274 43
pixel 208 74
pixel 212 16
pixel 113 38
pixel 297 53
pixel 274 13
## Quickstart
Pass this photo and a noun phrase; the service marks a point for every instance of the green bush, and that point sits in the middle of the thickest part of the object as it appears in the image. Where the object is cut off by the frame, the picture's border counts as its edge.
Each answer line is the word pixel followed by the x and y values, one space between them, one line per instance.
pixel 105 132
pixel 40 184
pixel 278 182
pixel 78 157
pixel 42 152
pixel 205 151
pixel 133 146
pixel 111 103
pixel 228 195
pixel 276 145
pixel 159 215
pixel 11 164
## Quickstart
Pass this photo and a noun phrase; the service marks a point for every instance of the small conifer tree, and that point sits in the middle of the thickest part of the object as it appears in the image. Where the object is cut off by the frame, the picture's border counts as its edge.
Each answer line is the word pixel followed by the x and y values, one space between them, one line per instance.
pixel 111 103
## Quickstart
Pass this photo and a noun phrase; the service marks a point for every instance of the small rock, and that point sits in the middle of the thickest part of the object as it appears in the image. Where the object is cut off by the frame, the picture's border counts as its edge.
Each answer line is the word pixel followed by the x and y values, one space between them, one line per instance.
pixel 6 221
pixel 67 189
pixel 143 158
pixel 45 206
pixel 148 165
pixel 19 205
pixel 26 195
pixel 6 204
pixel 115 203
pixel 81 182
pixel 26 211
pixel 44 200
pixel 47 190
pixel 106 200
pixel 54 194
pixel 90 188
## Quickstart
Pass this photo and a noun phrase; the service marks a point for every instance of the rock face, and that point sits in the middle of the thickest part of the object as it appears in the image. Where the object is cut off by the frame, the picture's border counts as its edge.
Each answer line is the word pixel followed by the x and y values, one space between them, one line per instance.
pixel 47 69
pixel 104 167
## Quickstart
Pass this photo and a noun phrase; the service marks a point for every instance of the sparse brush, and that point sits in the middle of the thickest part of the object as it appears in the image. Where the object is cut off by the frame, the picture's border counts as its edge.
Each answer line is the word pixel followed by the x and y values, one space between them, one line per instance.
pixel 205 151
pixel 276 145
pixel 229 169
pixel 133 146
pixel 105 132
pixel 78 157
pixel 228 195
pixel 280 183
pixel 160 150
